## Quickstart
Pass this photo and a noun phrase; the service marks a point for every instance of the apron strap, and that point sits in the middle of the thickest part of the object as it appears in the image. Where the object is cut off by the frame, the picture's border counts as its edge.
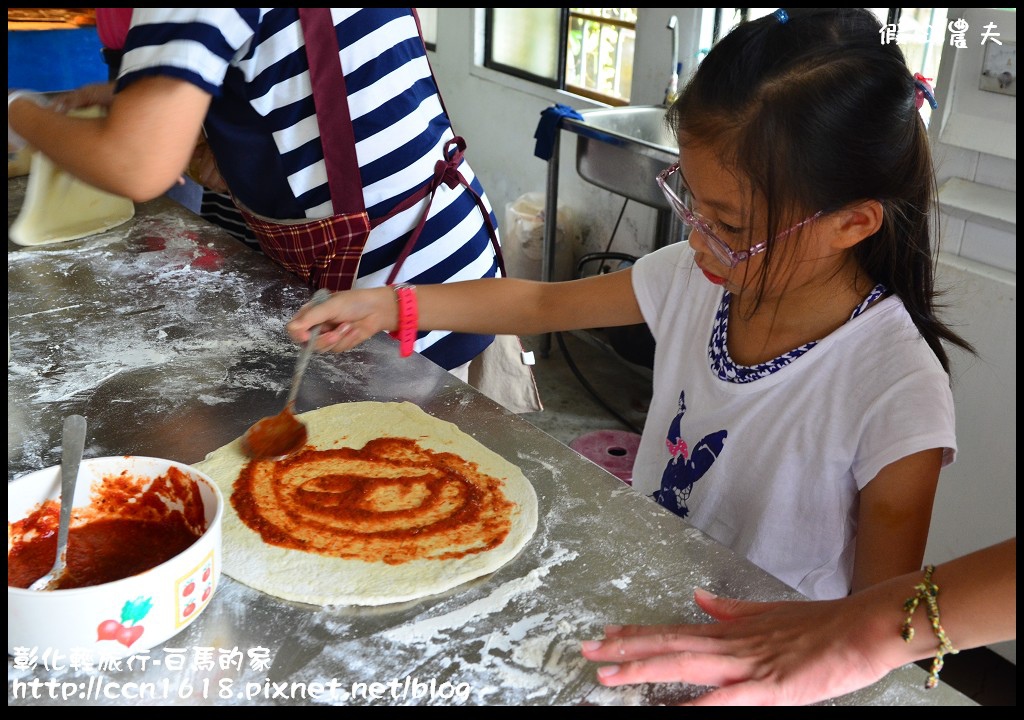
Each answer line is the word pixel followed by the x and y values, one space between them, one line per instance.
pixel 446 172
pixel 338 138
pixel 332 114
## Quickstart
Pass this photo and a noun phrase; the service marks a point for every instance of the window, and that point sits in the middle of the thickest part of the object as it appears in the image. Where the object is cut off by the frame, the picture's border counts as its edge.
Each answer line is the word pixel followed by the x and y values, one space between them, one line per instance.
pixel 428 24
pixel 589 51
pixel 599 56
pixel 919 33
pixel 586 51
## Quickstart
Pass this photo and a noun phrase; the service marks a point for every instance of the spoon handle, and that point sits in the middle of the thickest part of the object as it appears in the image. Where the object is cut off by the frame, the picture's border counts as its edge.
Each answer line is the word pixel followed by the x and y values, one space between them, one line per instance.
pixel 73 446
pixel 307 350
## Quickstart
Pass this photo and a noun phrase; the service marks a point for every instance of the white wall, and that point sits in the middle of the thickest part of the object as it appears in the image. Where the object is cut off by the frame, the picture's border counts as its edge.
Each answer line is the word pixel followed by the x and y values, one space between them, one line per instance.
pixel 976 502
pixel 974 141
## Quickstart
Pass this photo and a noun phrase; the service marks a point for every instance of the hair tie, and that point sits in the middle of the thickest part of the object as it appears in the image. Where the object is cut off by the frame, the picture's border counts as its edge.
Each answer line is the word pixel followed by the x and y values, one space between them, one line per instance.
pixel 924 92
pixel 781 15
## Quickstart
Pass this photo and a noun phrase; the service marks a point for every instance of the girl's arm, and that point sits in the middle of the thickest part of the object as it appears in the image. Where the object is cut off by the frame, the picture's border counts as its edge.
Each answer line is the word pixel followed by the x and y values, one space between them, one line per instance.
pixel 499 306
pixel 138 150
pixel 801 652
pixel 894 517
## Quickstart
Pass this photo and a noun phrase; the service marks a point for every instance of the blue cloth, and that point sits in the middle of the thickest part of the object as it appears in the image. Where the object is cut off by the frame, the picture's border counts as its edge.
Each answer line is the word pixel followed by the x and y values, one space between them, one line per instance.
pixel 550 118
pixel 54 60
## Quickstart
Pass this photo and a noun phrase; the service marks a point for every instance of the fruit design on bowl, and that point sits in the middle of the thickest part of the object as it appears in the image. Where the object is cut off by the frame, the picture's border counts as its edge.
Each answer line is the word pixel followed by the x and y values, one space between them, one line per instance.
pixel 194 590
pixel 127 630
pixel 154 588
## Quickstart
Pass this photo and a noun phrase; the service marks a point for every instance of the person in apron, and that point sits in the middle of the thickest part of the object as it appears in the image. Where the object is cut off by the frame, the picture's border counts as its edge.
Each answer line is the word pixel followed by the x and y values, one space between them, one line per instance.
pixel 215 205
pixel 328 127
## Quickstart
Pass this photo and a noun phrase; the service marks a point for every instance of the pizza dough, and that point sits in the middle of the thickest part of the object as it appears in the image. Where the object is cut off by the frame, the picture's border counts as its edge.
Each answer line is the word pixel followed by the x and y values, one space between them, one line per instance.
pixel 59 207
pixel 19 162
pixel 389 503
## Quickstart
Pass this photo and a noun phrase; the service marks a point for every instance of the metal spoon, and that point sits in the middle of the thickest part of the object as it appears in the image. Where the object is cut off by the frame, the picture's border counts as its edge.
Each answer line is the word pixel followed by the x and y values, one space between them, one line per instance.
pixel 73 445
pixel 280 435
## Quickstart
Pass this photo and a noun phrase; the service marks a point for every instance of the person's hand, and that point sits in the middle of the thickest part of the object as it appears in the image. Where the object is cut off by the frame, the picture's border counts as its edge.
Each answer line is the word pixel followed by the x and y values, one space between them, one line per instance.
pixel 759 653
pixel 101 94
pixel 347 318
pixel 15 142
pixel 203 168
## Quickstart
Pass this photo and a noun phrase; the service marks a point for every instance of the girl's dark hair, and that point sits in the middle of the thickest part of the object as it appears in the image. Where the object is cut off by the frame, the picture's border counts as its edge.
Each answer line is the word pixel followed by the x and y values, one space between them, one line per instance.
pixel 818 113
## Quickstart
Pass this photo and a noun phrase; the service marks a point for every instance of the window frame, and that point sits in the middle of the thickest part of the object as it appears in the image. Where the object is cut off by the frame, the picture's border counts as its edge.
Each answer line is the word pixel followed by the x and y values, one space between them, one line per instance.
pixel 427 19
pixel 559 82
pixel 563 44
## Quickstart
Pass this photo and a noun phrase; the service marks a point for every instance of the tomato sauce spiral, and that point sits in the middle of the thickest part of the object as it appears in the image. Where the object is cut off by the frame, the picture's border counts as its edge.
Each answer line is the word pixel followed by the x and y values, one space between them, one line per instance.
pixel 391 501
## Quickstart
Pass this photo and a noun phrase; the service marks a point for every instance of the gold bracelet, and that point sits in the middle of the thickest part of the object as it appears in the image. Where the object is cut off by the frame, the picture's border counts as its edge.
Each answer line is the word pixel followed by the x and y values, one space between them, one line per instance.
pixel 928 592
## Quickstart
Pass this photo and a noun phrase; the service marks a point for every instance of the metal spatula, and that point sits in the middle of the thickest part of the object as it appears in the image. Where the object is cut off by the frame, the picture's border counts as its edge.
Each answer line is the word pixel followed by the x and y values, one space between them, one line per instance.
pixel 281 435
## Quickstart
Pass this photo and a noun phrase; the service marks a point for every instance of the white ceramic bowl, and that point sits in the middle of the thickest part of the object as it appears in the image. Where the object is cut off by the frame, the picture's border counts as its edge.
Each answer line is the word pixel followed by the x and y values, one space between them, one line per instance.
pixel 123 617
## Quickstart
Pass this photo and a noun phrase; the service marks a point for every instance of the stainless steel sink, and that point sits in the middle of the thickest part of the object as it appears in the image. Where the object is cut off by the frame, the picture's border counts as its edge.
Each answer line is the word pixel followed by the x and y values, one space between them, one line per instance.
pixel 623 149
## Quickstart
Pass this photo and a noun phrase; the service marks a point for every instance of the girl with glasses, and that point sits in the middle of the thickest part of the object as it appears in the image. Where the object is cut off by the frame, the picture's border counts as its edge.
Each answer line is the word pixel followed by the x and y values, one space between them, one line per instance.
pixel 801 406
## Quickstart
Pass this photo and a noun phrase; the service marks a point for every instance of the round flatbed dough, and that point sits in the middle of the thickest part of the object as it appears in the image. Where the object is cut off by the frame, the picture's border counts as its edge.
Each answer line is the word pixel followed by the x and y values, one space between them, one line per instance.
pixel 336 432
pixel 59 207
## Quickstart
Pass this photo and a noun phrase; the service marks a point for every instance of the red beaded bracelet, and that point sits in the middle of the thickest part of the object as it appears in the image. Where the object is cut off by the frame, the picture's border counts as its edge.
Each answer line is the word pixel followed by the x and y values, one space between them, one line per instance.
pixel 408 318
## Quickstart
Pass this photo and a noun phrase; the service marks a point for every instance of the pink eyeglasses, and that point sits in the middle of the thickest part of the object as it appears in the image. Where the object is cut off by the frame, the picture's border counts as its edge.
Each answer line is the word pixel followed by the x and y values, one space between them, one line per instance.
pixel 719 248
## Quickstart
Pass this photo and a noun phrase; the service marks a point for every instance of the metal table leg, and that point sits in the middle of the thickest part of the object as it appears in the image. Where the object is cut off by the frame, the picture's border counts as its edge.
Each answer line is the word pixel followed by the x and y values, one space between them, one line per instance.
pixel 547 270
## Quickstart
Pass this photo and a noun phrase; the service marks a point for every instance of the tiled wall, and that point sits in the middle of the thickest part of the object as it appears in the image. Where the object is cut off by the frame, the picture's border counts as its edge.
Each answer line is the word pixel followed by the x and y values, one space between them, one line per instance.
pixel 975 156
pixel 973 235
pixel 974 139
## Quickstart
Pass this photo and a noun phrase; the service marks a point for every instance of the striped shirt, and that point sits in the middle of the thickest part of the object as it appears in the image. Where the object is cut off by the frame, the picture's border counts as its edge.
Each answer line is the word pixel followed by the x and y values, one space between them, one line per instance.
pixel 262 127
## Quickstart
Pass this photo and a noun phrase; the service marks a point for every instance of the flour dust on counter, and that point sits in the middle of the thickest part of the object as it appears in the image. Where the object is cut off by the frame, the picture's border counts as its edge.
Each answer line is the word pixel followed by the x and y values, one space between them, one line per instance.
pixel 154 279
pixel 536 658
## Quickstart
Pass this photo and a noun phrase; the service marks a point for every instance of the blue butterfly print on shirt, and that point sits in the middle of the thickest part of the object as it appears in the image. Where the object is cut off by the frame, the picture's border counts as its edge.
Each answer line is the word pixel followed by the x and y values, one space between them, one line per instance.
pixel 686 468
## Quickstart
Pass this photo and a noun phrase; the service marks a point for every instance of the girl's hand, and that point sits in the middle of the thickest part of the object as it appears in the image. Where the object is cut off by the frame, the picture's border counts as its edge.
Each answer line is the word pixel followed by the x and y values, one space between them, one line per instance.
pixel 348 318
pixel 759 653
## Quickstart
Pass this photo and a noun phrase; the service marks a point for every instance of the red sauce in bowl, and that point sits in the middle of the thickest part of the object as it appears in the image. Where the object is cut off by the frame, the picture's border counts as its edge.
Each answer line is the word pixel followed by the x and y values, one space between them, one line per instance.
pixel 127 529
pixel 100 551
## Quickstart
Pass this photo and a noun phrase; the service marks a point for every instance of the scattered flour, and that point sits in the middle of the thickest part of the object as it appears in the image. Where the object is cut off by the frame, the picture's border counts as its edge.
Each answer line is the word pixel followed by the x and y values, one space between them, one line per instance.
pixel 143 303
pixel 621 583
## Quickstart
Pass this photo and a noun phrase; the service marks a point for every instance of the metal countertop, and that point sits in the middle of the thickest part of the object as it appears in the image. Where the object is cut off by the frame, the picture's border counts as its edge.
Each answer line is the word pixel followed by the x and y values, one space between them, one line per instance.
pixel 168 335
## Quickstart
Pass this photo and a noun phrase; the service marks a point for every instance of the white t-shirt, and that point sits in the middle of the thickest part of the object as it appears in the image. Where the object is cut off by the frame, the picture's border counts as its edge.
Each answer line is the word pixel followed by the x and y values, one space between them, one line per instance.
pixel 772 467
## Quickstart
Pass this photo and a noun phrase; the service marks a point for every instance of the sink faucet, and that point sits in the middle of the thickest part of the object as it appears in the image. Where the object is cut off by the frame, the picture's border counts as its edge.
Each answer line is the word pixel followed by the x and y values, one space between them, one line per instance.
pixel 673 83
